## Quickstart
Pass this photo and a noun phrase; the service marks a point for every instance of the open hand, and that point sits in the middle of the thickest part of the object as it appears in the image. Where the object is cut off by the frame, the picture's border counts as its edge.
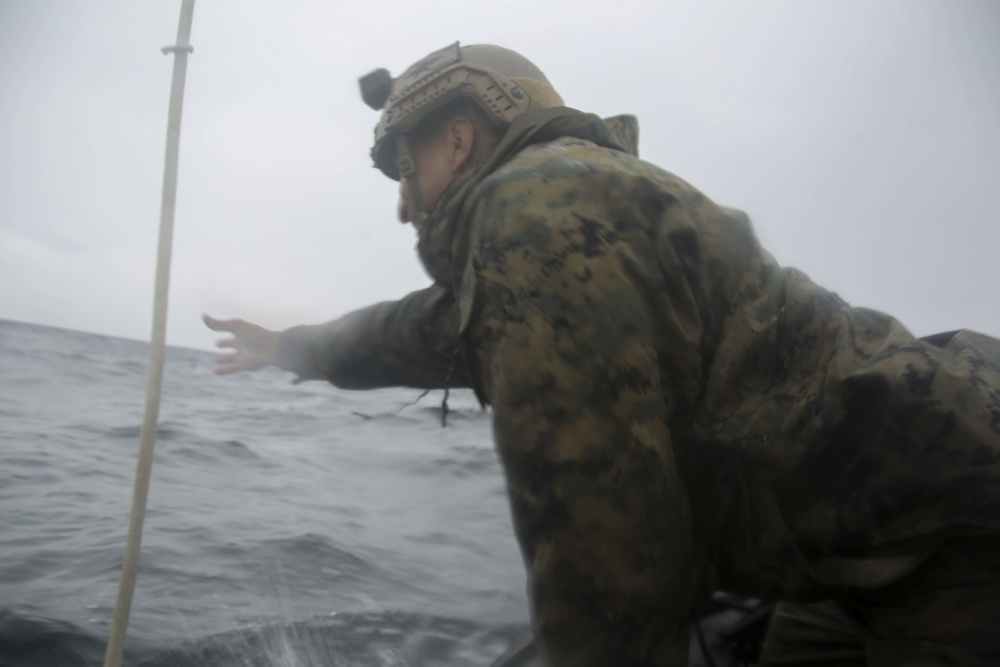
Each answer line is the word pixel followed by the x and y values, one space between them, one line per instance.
pixel 253 347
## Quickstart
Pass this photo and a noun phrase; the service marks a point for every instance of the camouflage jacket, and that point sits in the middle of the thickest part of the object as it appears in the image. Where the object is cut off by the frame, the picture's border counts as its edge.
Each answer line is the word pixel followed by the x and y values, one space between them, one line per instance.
pixel 674 411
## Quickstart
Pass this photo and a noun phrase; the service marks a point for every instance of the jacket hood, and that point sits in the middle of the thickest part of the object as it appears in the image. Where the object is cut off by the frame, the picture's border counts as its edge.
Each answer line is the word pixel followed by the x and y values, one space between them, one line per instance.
pixel 442 237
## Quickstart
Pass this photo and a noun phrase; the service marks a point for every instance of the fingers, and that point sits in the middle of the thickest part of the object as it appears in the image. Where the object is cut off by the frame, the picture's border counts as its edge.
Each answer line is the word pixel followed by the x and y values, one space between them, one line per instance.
pixel 227 342
pixel 232 326
pixel 248 349
pixel 227 364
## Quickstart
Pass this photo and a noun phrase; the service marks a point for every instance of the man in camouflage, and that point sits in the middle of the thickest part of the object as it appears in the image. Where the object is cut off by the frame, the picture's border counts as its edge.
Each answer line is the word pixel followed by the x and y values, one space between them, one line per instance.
pixel 675 413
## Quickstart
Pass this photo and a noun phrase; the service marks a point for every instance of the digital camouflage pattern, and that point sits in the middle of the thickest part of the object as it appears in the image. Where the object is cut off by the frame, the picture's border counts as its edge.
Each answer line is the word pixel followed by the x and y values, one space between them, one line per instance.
pixel 407 343
pixel 675 413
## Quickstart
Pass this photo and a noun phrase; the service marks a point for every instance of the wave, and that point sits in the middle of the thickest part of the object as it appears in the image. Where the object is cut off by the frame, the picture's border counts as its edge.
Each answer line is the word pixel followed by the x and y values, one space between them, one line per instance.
pixel 383 639
pixel 31 641
pixel 163 432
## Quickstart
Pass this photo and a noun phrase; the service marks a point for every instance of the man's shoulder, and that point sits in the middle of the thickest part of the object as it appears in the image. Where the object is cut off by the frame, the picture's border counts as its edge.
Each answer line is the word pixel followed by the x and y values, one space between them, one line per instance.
pixel 568 159
pixel 556 180
pixel 557 183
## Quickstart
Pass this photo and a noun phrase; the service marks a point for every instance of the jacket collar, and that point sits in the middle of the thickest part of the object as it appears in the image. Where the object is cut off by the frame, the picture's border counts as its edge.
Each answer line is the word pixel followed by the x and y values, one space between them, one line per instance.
pixel 443 239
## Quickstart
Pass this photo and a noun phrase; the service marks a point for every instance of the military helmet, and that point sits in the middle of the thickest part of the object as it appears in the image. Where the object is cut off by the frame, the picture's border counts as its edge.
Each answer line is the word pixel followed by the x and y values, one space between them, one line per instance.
pixel 501 82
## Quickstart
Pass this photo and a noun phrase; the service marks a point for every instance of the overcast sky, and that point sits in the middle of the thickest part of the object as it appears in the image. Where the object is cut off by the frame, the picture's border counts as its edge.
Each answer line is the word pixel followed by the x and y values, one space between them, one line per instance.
pixel 862 137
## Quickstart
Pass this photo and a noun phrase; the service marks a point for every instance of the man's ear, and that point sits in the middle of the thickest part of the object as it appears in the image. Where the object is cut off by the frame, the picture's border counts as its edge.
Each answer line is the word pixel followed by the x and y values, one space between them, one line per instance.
pixel 461 143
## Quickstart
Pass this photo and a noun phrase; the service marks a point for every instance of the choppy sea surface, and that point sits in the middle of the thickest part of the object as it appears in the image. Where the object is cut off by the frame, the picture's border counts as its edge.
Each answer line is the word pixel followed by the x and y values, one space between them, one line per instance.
pixel 287 525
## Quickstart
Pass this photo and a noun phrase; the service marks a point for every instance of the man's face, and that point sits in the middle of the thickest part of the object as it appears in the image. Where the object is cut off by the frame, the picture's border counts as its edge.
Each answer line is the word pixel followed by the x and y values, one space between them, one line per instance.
pixel 434 163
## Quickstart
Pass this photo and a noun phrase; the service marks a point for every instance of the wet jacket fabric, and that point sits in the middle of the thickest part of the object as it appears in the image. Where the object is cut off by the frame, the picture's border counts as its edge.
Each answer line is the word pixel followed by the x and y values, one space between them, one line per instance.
pixel 674 412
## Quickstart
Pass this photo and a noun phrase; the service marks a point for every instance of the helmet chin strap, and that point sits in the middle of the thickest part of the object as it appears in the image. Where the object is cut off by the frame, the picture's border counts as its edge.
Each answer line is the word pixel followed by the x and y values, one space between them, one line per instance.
pixel 407 170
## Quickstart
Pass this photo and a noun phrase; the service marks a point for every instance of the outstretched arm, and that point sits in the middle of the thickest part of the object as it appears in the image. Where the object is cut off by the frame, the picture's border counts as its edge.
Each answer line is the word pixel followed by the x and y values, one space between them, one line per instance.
pixel 412 342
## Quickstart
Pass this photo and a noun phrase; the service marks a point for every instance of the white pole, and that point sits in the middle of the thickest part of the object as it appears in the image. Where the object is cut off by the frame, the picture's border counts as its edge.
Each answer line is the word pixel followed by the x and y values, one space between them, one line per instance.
pixel 154 384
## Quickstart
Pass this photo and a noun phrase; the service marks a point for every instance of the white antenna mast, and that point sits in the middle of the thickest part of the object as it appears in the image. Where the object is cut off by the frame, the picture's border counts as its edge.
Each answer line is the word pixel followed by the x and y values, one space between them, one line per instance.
pixel 154 384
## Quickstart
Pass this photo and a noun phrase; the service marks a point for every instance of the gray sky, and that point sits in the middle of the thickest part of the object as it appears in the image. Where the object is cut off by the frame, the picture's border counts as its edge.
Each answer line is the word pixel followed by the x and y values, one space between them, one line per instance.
pixel 863 138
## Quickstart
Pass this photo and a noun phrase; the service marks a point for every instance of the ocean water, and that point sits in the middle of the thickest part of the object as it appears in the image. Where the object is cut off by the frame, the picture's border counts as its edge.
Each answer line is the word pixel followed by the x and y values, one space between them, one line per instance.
pixel 287 525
